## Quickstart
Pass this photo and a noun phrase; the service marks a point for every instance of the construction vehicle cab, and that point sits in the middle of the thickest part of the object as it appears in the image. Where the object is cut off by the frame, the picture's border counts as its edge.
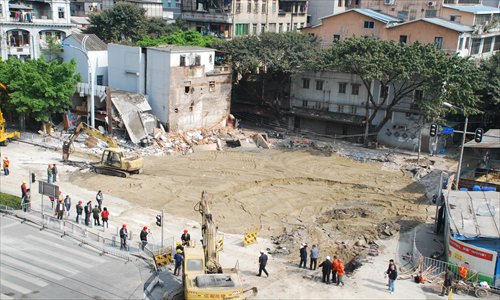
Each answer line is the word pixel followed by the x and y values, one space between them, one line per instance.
pixel 5 136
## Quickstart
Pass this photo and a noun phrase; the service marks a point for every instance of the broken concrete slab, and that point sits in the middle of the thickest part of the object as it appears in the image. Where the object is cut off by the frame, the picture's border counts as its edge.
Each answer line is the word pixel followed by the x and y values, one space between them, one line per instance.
pixel 260 141
pixel 206 147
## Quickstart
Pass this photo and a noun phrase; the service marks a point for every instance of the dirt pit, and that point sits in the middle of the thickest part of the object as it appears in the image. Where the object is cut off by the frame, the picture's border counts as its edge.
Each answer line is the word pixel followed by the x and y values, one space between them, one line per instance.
pixel 324 200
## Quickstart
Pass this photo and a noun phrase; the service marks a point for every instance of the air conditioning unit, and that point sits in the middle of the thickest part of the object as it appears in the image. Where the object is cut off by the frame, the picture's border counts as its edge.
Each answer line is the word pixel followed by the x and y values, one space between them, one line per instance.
pixel 389 2
pixel 431 3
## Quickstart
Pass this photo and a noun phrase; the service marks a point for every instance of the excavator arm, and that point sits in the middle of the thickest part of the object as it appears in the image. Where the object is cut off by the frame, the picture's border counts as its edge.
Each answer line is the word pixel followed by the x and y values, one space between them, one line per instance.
pixel 209 233
pixel 83 128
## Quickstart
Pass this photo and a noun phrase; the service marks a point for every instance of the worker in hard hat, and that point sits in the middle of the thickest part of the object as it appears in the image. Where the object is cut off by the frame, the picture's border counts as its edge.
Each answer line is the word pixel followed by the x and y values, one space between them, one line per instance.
pixel 178 246
pixel 178 258
pixel 185 238
pixel 144 236
pixel 123 237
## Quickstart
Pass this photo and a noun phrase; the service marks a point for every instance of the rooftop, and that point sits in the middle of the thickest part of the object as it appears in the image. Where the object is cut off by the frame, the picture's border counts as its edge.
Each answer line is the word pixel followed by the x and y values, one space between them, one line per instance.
pixel 369 13
pixel 491 140
pixel 176 48
pixel 93 43
pixel 475 9
pixel 474 214
pixel 440 22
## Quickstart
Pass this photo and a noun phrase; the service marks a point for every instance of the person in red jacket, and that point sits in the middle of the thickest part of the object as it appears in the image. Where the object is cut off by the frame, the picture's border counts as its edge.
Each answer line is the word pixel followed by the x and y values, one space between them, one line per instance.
pixel 340 273
pixel 104 217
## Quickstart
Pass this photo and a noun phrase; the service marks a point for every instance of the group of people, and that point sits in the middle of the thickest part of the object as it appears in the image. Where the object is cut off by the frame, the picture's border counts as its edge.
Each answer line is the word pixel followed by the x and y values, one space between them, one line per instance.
pixel 52 173
pixel 334 268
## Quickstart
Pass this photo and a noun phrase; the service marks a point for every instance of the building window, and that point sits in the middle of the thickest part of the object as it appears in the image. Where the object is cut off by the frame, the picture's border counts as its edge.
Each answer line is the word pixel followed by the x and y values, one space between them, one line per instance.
pixel 183 61
pixel 262 28
pixel 301 25
pixel 418 96
pixel 197 60
pixel 256 7
pixel 274 6
pixel 487 44
pixel 263 8
pixel 403 39
pixel 369 24
pixel 496 46
pixel 60 12
pixel 304 103
pixel 430 13
pixel 453 18
pixel 319 85
pixel 254 28
pixel 211 86
pixel 288 27
pixel 449 1
pixel 241 29
pixel 336 38
pixel 100 79
pixel 305 83
pixel 467 42
pixel 342 87
pixel 339 3
pixel 354 110
pixel 476 43
pixel 384 91
pixel 355 89
pixel 249 6
pixel 340 108
pixel 460 43
pixel 295 26
pixel 187 87
pixel 403 15
pixel 438 42
pixel 280 27
pixel 210 58
pixel 238 6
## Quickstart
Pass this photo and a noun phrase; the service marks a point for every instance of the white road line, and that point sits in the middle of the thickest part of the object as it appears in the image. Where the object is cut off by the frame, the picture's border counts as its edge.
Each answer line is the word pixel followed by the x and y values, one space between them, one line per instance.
pixel 26 277
pixel 51 263
pixel 65 248
pixel 5 297
pixel 14 286
pixel 65 257
pixel 30 267
pixel 2 227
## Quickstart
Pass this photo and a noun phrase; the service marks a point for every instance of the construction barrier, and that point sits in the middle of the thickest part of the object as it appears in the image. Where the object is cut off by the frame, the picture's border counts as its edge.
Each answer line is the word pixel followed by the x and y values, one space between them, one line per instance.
pixel 164 257
pixel 220 243
pixel 250 237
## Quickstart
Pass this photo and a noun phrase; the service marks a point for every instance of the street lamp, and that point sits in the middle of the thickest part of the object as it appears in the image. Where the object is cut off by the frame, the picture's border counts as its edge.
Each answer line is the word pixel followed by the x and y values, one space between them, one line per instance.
pixel 91 78
pixel 463 140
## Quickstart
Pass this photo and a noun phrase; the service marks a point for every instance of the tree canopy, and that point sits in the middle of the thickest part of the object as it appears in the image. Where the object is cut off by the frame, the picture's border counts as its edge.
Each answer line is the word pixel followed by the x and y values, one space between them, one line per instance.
pixel 490 94
pixel 38 87
pixel 404 69
pixel 179 37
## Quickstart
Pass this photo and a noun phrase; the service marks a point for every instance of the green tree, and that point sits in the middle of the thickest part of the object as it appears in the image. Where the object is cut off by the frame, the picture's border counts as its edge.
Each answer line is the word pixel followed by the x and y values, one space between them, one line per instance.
pixel 181 38
pixel 403 69
pixel 39 88
pixel 124 22
pixel 157 27
pixel 490 94
pixel 53 49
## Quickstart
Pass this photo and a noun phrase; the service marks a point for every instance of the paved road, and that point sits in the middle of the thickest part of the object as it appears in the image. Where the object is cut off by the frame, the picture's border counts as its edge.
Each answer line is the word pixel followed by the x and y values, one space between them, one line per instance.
pixel 38 264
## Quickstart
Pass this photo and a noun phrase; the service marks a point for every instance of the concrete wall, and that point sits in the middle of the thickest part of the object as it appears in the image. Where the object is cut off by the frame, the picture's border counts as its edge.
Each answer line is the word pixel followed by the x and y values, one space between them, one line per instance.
pixel 320 8
pixel 98 61
pixel 206 59
pixel 126 68
pixel 158 82
pixel 462 17
pixel 414 9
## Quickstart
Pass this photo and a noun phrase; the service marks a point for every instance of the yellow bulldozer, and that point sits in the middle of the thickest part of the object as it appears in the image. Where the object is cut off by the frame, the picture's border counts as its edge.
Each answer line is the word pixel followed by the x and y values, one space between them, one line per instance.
pixel 113 161
pixel 203 276
pixel 5 136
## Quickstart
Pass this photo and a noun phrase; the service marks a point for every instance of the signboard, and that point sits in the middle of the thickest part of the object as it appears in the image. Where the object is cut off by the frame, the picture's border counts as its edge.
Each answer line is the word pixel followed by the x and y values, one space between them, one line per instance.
pixel 480 260
pixel 48 189
pixel 445 130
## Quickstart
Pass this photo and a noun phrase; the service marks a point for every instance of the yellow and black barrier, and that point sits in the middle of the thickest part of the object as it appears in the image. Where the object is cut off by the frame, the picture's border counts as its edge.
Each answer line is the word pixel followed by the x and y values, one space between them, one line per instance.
pixel 250 237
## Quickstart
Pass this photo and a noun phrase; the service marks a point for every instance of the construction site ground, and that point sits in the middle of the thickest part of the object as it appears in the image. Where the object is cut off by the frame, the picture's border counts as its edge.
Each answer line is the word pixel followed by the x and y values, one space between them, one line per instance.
pixel 346 206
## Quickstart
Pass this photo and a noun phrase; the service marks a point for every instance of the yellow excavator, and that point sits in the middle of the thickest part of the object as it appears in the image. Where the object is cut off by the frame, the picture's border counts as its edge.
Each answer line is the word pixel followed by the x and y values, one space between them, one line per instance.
pixel 5 136
pixel 203 276
pixel 113 160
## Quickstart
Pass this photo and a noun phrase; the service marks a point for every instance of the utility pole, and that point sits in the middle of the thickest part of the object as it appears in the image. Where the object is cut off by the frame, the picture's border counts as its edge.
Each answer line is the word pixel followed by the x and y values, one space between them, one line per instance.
pixel 462 151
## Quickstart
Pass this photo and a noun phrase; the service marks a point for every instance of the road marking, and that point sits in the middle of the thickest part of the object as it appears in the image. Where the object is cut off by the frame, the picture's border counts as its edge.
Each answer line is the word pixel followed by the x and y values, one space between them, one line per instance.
pixel 61 256
pixel 30 267
pixel 72 251
pixel 5 297
pixel 51 263
pixel 26 277
pixel 9 225
pixel 14 286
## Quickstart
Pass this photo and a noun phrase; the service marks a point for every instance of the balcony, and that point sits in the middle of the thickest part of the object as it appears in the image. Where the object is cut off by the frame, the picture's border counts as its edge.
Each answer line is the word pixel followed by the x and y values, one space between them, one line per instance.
pixel 207 17
pixel 21 50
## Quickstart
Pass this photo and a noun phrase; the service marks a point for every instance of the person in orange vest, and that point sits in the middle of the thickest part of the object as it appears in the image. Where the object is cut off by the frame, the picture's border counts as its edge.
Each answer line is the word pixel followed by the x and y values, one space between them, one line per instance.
pixel 340 273
pixel 6 164
pixel 462 270
pixel 334 269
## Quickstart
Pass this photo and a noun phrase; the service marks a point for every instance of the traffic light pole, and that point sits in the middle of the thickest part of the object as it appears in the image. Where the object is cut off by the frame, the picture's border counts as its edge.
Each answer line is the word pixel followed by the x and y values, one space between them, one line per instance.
pixel 461 153
pixel 162 222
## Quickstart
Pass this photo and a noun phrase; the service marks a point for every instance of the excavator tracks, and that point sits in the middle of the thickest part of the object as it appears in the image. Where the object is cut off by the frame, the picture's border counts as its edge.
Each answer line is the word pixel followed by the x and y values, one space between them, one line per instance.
pixel 110 172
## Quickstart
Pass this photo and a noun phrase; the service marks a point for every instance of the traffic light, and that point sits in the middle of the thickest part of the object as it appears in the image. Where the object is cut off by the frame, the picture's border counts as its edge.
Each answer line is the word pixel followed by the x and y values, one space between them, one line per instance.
pixel 478 135
pixel 433 131
pixel 158 220
pixel 33 178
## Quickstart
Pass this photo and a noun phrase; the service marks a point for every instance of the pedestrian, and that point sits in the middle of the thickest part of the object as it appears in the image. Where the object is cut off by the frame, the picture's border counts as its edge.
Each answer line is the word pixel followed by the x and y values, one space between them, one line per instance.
pixel 179 247
pixel 67 203
pixel 27 200
pixel 23 195
pixel 186 238
pixel 335 268
pixel 52 199
pixel 178 258
pixel 88 211
pixel 303 255
pixel 105 216
pixel 54 172
pixel 144 237
pixel 60 197
pixel 49 174
pixel 391 262
pixel 99 197
pixel 262 263
pixel 60 210
pixel 448 281
pixel 314 257
pixel 123 237
pixel 326 266
pixel 6 165
pixel 95 213
pixel 79 210
pixel 340 272
pixel 392 273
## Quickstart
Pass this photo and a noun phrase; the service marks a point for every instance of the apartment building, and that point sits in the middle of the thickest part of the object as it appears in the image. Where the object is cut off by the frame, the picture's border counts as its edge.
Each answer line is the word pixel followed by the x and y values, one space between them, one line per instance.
pixel 27 25
pixel 83 8
pixel 232 18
